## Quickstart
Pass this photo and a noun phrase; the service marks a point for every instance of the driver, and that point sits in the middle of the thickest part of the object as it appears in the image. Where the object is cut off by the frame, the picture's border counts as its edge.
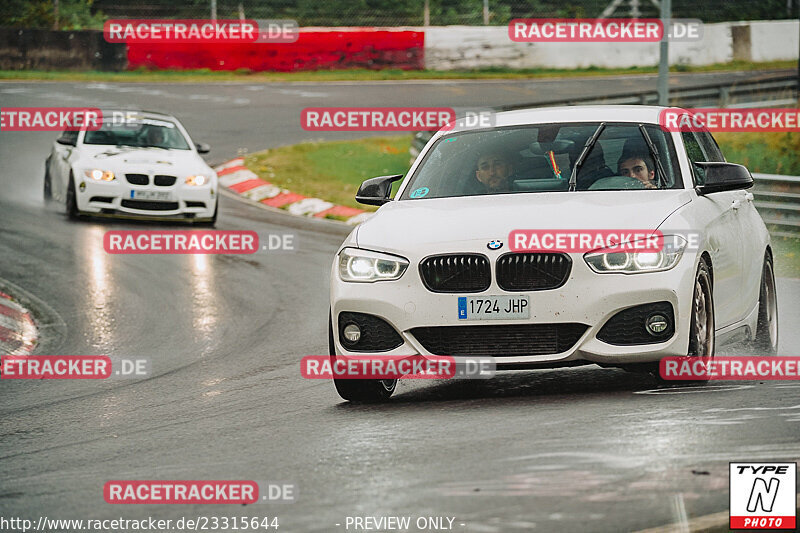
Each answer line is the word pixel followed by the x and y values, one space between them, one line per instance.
pixel 155 136
pixel 494 172
pixel 638 166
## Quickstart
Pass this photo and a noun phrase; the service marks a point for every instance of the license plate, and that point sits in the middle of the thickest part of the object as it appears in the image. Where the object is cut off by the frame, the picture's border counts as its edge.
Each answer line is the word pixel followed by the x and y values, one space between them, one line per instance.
pixel 159 196
pixel 493 307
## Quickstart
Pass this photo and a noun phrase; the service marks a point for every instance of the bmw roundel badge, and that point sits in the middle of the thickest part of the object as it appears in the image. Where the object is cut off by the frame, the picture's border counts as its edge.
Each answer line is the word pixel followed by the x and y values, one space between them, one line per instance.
pixel 495 244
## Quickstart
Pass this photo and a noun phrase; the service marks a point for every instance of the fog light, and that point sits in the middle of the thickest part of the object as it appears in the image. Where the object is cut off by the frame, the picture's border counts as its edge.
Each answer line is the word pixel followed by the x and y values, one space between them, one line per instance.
pixel 656 324
pixel 82 186
pixel 352 333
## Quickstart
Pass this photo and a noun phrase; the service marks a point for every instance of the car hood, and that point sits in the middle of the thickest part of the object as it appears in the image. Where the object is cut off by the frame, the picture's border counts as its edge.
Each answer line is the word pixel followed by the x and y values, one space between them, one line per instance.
pixel 469 223
pixel 126 157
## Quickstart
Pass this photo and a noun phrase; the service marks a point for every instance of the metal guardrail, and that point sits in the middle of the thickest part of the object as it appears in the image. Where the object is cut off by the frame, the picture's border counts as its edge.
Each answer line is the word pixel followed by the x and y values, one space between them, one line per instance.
pixel 777 199
pixel 769 91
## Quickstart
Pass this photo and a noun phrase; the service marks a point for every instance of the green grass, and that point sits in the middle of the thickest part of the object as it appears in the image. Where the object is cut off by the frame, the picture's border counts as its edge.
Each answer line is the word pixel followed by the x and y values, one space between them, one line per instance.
pixel 767 152
pixel 246 76
pixel 786 253
pixel 332 170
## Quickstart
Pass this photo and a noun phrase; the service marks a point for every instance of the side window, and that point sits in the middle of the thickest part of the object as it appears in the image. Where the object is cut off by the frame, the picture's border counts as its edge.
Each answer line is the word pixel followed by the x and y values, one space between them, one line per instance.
pixel 709 146
pixel 695 153
pixel 70 136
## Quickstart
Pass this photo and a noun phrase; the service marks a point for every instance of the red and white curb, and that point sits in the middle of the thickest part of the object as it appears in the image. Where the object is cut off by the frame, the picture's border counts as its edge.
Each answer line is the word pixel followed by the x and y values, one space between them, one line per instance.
pixel 237 178
pixel 18 333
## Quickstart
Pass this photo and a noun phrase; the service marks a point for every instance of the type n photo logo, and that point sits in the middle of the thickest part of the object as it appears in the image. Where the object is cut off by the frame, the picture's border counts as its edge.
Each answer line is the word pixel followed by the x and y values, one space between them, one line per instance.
pixel 763 495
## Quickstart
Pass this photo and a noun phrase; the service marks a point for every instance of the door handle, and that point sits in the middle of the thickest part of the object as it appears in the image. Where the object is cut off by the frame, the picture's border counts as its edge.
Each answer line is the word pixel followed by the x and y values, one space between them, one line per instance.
pixel 737 203
pixel 748 196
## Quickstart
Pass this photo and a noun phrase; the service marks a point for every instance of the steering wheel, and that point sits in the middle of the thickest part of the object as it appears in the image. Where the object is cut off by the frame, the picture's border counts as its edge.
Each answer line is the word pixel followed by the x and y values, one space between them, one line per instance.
pixel 615 183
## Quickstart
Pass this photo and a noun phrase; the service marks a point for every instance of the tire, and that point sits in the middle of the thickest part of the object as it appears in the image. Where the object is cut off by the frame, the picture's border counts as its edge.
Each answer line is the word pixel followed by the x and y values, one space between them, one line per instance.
pixel 47 192
pixel 765 341
pixel 72 202
pixel 359 390
pixel 701 330
pixel 702 338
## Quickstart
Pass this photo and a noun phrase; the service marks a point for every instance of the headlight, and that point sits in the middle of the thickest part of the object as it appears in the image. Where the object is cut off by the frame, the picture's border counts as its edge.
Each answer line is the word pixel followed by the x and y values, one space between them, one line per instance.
pixel 99 175
pixel 196 180
pixel 609 261
pixel 365 266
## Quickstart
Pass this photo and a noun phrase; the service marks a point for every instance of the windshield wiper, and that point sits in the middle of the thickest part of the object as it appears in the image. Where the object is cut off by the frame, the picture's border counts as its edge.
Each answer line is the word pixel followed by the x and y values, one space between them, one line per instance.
pixel 573 179
pixel 660 172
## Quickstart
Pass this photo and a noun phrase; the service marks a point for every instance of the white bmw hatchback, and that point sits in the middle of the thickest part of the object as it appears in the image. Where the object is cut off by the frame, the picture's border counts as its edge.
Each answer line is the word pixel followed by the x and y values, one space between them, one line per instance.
pixel 145 166
pixel 433 273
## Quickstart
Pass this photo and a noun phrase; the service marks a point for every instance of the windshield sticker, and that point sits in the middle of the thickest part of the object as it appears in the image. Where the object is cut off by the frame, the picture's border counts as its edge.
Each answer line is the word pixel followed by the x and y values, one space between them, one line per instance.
pixel 422 192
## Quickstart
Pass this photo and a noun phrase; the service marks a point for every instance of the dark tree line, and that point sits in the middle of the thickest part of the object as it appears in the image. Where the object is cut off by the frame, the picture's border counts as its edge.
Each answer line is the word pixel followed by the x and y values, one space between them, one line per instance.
pixel 77 14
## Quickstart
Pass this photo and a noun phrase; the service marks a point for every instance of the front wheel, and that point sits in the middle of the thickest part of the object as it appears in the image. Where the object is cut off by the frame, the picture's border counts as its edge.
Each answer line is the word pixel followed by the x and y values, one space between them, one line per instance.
pixel 765 341
pixel 72 202
pixel 701 331
pixel 47 193
pixel 702 337
pixel 359 390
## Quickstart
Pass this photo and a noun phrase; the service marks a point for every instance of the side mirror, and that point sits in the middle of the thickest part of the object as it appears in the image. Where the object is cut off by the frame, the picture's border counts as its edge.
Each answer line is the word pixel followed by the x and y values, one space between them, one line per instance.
pixel 202 148
pixel 66 141
pixel 376 191
pixel 723 177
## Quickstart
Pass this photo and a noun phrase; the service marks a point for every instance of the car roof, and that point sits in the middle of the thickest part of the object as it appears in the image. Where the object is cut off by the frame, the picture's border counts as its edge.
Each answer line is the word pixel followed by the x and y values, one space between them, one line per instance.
pixel 579 113
pixel 142 113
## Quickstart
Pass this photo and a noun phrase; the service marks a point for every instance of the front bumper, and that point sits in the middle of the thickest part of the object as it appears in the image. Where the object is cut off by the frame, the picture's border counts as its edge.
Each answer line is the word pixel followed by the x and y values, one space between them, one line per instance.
pixel 586 298
pixel 115 198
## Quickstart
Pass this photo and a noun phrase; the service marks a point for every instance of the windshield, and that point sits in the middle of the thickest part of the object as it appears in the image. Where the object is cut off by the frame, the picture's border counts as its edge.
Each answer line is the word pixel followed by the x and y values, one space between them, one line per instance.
pixel 141 132
pixel 540 158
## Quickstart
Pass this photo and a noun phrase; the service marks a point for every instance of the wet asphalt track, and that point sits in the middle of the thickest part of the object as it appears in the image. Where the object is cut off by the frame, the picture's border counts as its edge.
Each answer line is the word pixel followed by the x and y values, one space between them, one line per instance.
pixel 557 450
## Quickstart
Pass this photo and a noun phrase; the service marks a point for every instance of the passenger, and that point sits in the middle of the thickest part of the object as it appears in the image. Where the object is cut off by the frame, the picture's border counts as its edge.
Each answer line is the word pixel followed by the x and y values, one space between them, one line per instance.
pixel 640 167
pixel 494 173
pixel 156 137
pixel 594 168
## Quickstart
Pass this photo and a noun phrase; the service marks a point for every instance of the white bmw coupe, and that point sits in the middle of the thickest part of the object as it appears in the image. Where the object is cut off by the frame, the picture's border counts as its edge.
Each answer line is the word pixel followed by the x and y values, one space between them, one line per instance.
pixel 143 166
pixel 433 272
